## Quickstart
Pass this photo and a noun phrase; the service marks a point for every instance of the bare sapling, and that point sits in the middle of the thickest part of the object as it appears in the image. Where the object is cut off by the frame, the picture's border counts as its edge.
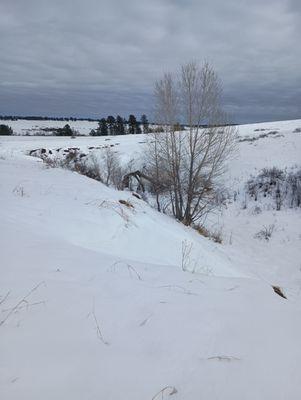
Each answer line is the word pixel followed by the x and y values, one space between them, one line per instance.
pixel 187 166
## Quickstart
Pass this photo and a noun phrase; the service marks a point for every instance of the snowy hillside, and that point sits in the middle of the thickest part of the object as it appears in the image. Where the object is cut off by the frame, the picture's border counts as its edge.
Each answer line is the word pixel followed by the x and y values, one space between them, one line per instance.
pixel 94 301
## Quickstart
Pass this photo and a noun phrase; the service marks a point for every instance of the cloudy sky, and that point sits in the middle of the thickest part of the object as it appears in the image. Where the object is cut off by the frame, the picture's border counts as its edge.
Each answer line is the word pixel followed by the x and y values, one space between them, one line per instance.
pixel 92 58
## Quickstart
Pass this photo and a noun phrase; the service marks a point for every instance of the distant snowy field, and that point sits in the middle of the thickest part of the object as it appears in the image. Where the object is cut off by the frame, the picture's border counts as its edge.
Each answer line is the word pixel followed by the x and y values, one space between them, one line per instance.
pixel 26 127
pixel 93 300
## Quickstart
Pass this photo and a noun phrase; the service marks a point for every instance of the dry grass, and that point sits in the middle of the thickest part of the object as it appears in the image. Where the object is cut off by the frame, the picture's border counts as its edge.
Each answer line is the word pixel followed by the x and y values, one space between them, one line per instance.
pixel 215 236
pixel 126 203
pixel 168 390
pixel 279 291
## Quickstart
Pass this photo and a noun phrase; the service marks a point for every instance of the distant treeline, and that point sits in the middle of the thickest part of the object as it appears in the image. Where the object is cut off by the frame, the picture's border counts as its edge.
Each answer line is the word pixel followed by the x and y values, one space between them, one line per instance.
pixel 122 126
pixel 106 126
pixel 114 126
pixel 39 118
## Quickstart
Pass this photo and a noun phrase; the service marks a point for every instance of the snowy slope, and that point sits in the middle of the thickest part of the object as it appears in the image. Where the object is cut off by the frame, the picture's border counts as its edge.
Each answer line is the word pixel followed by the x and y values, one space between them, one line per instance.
pixel 85 213
pixel 112 315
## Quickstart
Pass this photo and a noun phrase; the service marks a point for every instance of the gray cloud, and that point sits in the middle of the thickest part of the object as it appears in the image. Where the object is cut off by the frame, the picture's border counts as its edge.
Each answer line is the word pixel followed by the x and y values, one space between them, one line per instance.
pixel 92 58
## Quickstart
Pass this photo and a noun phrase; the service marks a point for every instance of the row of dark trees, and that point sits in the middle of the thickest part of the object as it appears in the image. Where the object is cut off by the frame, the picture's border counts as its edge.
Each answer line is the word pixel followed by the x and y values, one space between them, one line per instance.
pixel 41 118
pixel 121 126
pixel 106 126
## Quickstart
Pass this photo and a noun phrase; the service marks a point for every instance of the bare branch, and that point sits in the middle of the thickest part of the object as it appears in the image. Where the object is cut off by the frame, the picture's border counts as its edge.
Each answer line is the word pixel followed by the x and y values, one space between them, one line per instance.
pixel 169 390
pixel 99 333
pixel 21 302
pixel 5 297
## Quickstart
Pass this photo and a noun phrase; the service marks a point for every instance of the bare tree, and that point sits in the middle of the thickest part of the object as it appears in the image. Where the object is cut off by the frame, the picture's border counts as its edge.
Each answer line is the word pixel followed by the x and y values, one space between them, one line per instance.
pixel 167 101
pixel 186 166
pixel 107 167
pixel 111 167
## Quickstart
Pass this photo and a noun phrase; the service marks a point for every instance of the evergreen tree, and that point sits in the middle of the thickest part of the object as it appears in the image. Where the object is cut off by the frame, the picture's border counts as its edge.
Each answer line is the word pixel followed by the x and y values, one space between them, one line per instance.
pixel 132 124
pixel 111 125
pixel 65 131
pixel 102 127
pixel 94 132
pixel 144 123
pixel 120 125
pixel 5 130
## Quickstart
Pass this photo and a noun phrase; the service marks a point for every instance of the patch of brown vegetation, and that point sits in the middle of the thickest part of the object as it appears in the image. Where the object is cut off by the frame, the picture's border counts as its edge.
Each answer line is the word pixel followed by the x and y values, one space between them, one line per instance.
pixel 279 291
pixel 126 203
pixel 215 236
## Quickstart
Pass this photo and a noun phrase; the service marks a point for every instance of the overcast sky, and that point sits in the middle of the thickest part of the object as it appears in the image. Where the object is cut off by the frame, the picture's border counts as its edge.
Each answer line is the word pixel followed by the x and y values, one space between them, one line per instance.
pixel 93 58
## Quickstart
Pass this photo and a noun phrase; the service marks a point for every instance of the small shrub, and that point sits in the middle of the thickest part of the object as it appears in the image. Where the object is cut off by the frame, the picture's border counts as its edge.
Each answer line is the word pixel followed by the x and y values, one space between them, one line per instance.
pixel 54 162
pixel 265 233
pixel 106 168
pixel 202 231
pixel 90 170
pixel 297 130
pixel 272 174
pixel 217 237
pixel 282 187
pixel 5 130
pixel 19 191
pixel 261 136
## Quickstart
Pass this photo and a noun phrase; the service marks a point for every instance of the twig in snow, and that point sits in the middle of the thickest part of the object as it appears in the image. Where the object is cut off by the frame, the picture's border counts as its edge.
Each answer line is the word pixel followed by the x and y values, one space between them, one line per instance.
pixel 99 334
pixel 19 190
pixel 223 358
pixel 197 280
pixel 185 255
pixel 185 291
pixel 25 306
pixel 171 389
pixel 232 288
pixel 5 297
pixel 130 268
pixel 23 300
pixel 145 320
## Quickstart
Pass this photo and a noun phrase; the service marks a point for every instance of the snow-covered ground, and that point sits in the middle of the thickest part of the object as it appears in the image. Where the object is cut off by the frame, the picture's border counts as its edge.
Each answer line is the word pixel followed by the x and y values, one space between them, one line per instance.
pixel 44 127
pixel 31 127
pixel 94 303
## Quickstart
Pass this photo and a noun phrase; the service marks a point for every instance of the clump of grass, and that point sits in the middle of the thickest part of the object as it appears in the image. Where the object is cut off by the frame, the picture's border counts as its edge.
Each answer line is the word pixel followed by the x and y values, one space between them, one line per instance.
pixel 265 233
pixel 216 236
pixel 126 203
